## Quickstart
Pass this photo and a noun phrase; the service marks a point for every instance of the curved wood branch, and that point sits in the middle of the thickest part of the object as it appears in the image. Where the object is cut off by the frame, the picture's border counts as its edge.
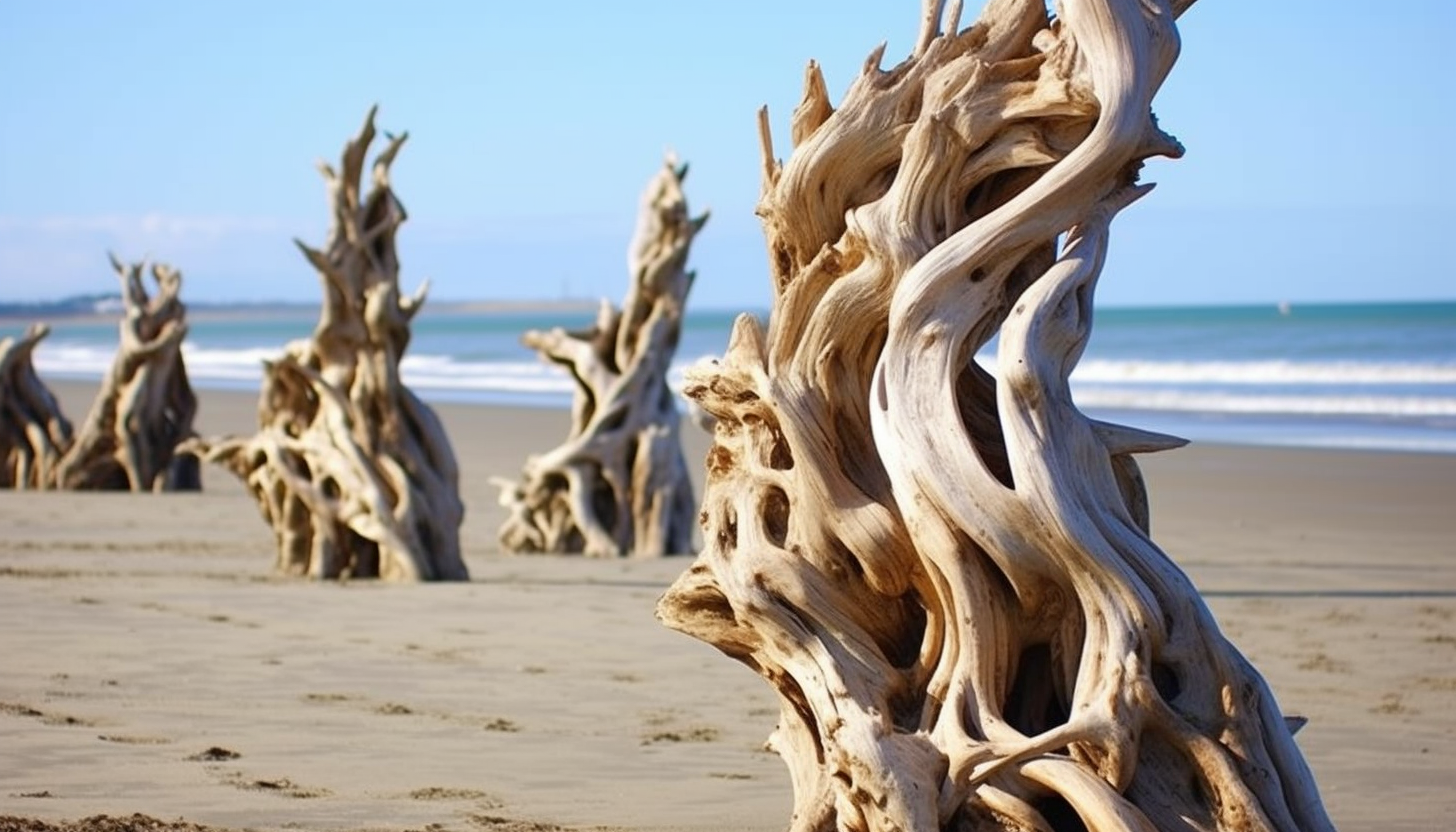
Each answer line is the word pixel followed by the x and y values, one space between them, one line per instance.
pixel 946 571
pixel 351 469
pixel 618 485
pixel 34 434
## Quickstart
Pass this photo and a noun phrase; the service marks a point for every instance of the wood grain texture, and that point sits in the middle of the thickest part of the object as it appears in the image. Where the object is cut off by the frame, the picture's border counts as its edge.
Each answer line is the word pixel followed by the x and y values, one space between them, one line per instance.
pixel 128 440
pixel 618 485
pixel 945 570
pixel 352 470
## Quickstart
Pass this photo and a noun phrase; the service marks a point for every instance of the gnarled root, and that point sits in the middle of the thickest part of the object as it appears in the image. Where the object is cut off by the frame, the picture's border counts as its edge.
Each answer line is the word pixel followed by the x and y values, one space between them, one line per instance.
pixel 145 407
pixel 618 485
pixel 34 434
pixel 946 571
pixel 353 471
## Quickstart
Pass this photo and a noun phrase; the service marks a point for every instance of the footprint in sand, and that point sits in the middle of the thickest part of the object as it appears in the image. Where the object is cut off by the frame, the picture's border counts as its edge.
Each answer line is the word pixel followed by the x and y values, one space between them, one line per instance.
pixel 133 740
pixel 699 733
pixel 214 754
pixel 1323 662
pixel 280 785
pixel 484 800
pixel 1391 703
pixel 16 709
pixel 499 724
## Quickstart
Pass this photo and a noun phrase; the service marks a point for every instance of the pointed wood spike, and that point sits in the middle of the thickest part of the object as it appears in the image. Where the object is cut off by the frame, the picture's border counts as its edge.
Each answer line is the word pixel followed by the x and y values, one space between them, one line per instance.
pixel 814 108
pixel 1122 439
pixel 386 157
pixel 930 11
pixel 766 152
pixel 952 25
pixel 317 259
pixel 872 63
pixel 413 303
pixel 746 342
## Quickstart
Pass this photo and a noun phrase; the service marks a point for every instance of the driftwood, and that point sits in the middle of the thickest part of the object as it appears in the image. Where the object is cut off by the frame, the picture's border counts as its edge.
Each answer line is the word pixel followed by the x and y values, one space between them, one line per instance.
pixel 618 485
pixel 351 469
pixel 34 434
pixel 145 406
pixel 142 411
pixel 946 571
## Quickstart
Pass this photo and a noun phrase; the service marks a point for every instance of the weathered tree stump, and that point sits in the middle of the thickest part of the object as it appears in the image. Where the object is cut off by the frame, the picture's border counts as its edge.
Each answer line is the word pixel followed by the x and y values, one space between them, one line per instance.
pixel 145 407
pixel 142 411
pixel 618 485
pixel 946 571
pixel 351 469
pixel 34 434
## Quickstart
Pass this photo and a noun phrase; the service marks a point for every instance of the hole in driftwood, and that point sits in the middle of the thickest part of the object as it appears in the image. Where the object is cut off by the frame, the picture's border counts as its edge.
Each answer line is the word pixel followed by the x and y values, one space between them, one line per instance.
pixel 604 504
pixel 614 421
pixel 1059 814
pixel 780 457
pixel 365 554
pixel 775 510
pixel 904 651
pixel 976 400
pixel 1165 679
pixel 1033 706
pixel 728 529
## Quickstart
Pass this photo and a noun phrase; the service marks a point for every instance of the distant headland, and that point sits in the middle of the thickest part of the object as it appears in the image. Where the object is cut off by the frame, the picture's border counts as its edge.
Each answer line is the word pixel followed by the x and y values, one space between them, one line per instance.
pixel 110 306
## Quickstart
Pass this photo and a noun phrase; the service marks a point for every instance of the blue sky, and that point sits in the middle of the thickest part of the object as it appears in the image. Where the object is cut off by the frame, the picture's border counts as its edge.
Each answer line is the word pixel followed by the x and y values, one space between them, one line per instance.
pixel 1318 164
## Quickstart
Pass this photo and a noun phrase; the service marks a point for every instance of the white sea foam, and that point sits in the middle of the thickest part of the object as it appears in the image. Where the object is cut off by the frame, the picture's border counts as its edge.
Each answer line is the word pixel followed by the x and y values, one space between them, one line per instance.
pixel 1272 403
pixel 1260 387
pixel 1263 372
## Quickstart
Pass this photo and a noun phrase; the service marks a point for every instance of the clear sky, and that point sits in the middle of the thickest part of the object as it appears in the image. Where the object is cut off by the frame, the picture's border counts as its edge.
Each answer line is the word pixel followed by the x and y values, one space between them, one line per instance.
pixel 1319 164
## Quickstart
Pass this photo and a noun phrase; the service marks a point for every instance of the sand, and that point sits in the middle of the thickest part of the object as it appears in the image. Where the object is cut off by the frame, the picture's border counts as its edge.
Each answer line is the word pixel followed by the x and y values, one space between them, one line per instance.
pixel 149 663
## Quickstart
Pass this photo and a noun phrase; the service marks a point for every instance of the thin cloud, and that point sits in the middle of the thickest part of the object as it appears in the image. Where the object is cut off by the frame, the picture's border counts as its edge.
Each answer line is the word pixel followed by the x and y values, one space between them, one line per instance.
pixel 155 226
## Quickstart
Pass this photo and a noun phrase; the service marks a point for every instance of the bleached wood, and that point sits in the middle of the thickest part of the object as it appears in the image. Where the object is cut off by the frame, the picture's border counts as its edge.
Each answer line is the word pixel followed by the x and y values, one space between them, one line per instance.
pixel 145 406
pixel 618 485
pixel 946 571
pixel 351 469
pixel 34 433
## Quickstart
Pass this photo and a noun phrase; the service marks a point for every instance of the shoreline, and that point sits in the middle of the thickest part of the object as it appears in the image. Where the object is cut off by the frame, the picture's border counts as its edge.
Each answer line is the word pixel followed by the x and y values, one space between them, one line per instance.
pixel 142 632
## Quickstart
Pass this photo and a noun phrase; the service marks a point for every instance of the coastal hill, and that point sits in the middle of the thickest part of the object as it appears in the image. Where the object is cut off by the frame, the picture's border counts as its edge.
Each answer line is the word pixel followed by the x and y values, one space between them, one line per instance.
pixel 110 306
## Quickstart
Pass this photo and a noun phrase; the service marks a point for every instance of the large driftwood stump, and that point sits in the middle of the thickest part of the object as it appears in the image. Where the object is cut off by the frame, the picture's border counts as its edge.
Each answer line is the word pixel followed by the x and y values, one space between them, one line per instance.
pixel 34 434
pixel 618 485
pixel 145 407
pixel 351 469
pixel 945 571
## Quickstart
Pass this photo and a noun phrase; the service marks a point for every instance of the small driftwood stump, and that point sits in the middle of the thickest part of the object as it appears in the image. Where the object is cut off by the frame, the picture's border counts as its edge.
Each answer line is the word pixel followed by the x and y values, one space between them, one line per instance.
pixel 946 572
pixel 34 434
pixel 618 486
pixel 142 412
pixel 145 406
pixel 351 469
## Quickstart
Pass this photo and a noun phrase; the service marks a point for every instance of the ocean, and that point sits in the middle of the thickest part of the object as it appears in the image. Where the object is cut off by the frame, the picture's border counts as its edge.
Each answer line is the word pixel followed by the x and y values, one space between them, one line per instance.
pixel 1369 376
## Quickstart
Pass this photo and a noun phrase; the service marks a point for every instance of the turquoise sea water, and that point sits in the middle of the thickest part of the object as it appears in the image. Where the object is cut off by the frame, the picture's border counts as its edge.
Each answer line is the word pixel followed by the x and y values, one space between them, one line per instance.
pixel 1377 376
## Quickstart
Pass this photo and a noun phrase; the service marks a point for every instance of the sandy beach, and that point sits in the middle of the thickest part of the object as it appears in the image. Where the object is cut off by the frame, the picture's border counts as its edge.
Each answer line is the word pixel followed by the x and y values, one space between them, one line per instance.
pixel 150 663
